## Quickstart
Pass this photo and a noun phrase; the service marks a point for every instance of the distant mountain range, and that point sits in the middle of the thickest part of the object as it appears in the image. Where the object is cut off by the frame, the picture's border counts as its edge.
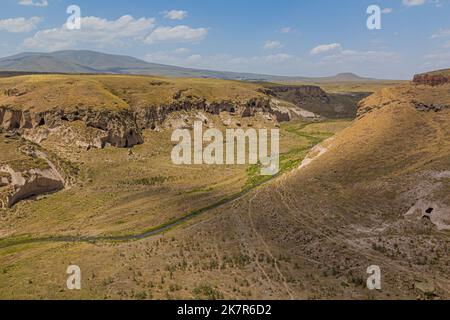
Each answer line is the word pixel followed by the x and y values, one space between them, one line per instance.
pixel 83 61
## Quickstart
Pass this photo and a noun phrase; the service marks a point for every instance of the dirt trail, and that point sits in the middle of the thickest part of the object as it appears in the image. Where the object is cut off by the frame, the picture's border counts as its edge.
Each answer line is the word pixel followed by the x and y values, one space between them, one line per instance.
pixel 267 250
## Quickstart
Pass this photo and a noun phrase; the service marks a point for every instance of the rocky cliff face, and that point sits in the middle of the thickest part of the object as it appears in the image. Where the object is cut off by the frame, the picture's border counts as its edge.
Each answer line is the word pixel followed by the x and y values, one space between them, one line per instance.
pixel 100 111
pixel 316 100
pixel 38 175
pixel 151 117
pixel 431 79
pixel 119 128
pixel 123 128
pixel 27 184
pixel 301 94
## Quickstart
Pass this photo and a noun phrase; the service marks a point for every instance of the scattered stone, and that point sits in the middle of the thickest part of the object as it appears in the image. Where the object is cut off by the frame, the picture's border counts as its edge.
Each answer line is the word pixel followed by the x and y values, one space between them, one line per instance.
pixel 429 108
pixel 424 287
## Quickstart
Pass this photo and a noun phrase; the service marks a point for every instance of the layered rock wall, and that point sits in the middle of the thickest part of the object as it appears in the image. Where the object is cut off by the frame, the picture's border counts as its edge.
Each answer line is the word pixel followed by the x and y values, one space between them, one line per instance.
pixel 431 80
pixel 120 127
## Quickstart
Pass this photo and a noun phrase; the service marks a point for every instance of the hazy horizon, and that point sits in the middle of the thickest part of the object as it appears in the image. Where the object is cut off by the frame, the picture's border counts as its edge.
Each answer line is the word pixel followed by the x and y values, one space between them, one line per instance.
pixel 205 69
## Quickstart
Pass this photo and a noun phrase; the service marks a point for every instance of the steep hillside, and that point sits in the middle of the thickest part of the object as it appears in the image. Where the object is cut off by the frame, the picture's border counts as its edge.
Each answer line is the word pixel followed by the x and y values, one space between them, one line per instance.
pixel 422 96
pixel 378 194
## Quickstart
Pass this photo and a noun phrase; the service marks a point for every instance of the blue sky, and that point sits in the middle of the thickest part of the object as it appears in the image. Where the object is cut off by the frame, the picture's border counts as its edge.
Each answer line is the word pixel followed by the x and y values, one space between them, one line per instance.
pixel 285 37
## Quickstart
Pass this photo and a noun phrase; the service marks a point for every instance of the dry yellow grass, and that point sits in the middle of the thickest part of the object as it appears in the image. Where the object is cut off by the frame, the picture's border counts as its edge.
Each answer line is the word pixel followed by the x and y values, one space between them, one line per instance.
pixel 118 193
pixel 12 155
pixel 115 200
pixel 443 72
pixel 43 92
pixel 310 234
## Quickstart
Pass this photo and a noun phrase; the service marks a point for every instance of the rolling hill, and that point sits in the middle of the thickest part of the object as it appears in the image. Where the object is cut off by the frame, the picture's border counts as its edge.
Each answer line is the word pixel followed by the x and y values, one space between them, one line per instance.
pixel 82 61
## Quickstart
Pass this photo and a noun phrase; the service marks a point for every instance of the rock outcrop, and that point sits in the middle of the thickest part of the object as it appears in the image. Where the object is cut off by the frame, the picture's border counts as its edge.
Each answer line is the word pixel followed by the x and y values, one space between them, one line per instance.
pixel 33 174
pixel 152 117
pixel 27 184
pixel 120 110
pixel 301 94
pixel 315 100
pixel 123 128
pixel 432 107
pixel 120 129
pixel 431 79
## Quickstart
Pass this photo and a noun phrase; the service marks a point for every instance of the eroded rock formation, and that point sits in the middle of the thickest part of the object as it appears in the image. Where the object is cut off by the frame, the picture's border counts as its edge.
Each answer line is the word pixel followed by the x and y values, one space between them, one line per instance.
pixel 315 100
pixel 119 127
pixel 431 79
pixel 29 183
pixel 152 117
pixel 33 174
pixel 122 127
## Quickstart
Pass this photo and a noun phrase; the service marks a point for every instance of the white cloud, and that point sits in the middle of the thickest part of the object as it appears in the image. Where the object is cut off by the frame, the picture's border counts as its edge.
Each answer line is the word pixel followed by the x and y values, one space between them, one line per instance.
pixel 226 61
pixel 438 56
pixel 37 3
pixel 175 14
pixel 387 10
pixel 439 60
pixel 181 51
pixel 344 60
pixel 21 24
pixel 270 45
pixel 376 63
pixel 441 33
pixel 325 48
pixel 278 58
pixel 193 59
pixel 162 57
pixel 94 31
pixel 410 3
pixel 176 34
pixel 351 57
pixel 286 30
pixel 445 34
pixel 361 62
